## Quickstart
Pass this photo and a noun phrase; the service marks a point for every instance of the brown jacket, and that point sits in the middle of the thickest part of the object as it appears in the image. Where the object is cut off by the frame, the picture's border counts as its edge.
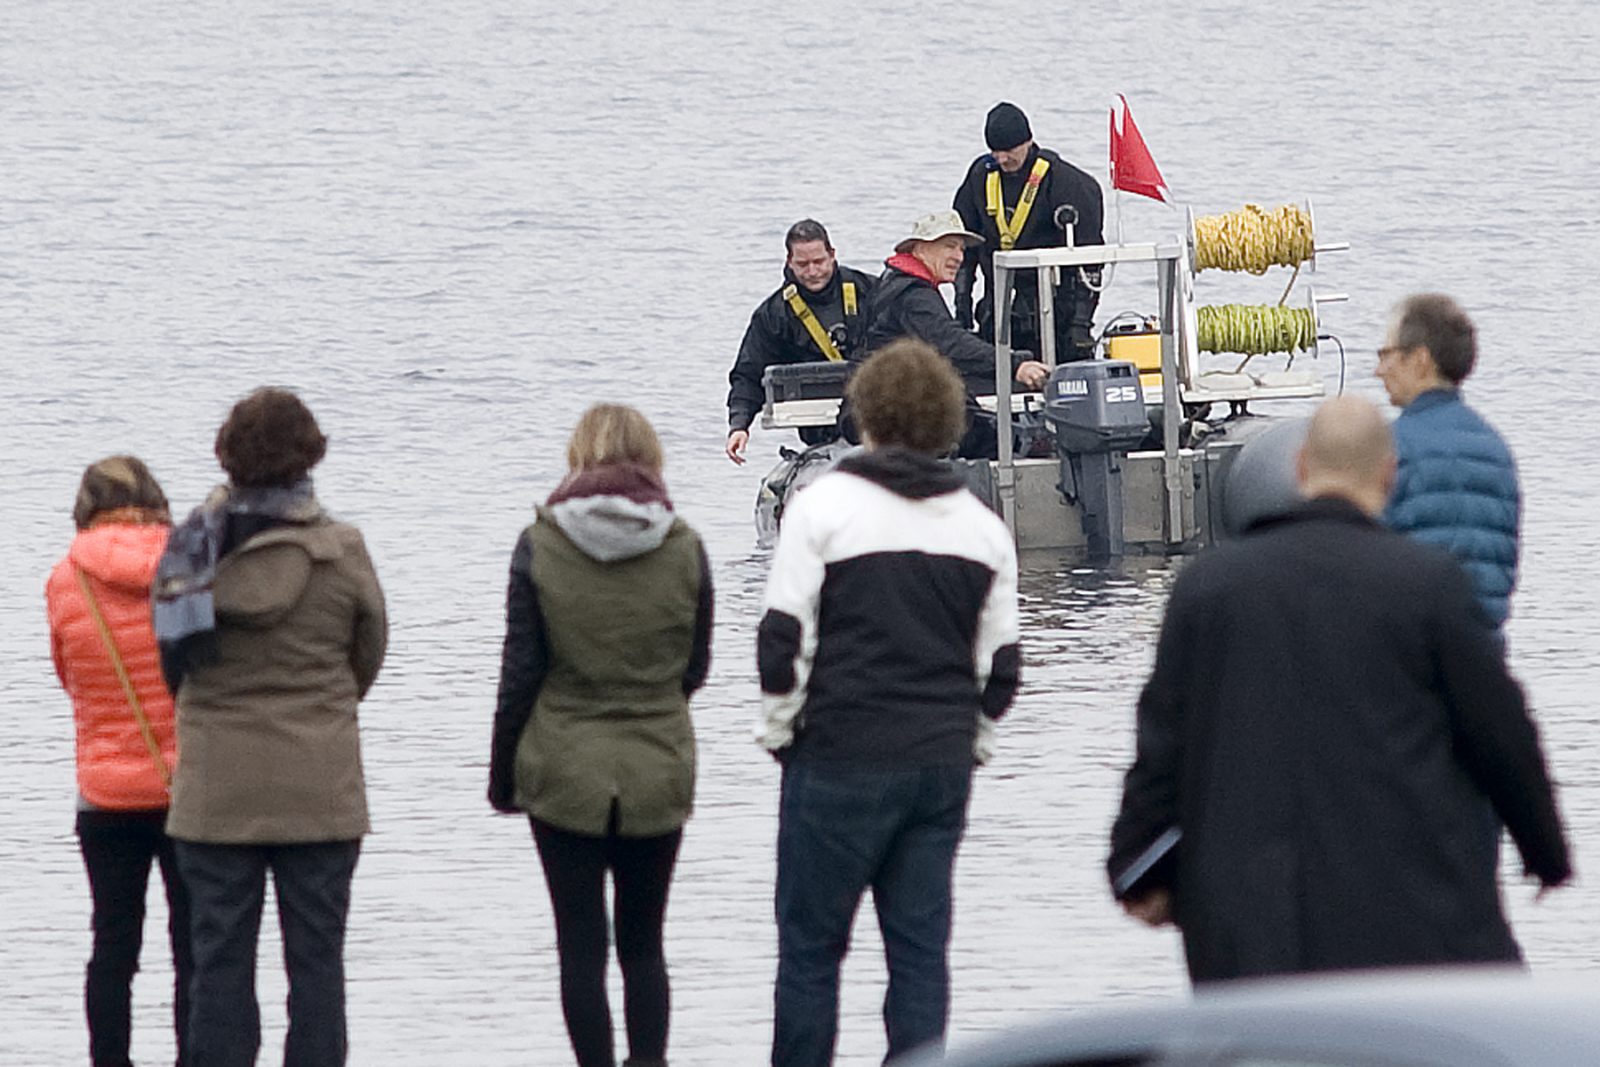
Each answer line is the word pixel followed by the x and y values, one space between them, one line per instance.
pixel 271 752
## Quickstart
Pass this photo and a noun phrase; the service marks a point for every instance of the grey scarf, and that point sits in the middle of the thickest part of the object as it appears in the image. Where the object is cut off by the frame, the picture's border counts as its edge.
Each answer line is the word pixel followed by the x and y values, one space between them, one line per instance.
pixel 184 616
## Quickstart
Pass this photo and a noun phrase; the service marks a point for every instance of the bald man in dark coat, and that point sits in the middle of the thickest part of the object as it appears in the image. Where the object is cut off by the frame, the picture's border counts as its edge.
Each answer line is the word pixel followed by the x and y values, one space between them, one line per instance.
pixel 1327 726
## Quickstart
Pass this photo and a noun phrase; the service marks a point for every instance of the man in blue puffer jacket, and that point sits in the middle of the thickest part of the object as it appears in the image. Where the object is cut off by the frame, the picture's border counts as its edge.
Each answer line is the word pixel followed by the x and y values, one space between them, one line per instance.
pixel 1457 485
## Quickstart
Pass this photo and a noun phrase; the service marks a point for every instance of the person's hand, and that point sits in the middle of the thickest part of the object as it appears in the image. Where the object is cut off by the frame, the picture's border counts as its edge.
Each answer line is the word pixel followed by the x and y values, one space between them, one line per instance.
pixel 737 440
pixel 1032 374
pixel 1546 889
pixel 1152 909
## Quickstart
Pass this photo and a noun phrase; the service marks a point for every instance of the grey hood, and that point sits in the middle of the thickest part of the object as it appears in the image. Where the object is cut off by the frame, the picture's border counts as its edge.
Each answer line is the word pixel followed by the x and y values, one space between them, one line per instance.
pixel 609 528
pixel 612 511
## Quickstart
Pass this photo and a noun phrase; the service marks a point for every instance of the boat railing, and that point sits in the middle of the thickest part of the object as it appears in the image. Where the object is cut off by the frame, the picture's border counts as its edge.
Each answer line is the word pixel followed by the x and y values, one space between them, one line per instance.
pixel 1175 370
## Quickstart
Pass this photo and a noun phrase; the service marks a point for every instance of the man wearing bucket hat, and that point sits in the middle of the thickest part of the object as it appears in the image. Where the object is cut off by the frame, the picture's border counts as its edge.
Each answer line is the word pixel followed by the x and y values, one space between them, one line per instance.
pixel 906 303
pixel 1017 196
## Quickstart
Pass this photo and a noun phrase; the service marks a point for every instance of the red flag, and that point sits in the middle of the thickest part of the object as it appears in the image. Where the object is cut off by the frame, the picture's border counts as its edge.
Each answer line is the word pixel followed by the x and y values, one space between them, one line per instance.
pixel 1132 167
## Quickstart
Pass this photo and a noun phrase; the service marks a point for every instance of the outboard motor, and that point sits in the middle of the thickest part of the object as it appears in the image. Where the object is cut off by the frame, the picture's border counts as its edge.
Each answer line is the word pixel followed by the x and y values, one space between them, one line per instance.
pixel 1096 411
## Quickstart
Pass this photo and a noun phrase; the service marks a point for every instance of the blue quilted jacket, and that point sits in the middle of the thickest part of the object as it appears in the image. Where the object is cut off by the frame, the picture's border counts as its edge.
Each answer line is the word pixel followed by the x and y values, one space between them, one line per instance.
pixel 1458 489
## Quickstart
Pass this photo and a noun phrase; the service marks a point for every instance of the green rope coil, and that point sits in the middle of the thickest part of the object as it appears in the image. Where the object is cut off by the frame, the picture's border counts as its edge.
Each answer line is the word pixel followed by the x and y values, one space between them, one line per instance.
pixel 1253 239
pixel 1255 330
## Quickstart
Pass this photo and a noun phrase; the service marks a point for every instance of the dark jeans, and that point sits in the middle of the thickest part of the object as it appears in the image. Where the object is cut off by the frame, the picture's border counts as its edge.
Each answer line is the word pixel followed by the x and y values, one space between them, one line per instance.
pixel 227 885
pixel 118 847
pixel 575 868
pixel 840 831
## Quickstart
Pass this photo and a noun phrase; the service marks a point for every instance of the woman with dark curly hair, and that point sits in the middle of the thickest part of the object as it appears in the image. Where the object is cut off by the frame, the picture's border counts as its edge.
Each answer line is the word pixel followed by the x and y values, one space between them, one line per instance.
pixel 98 599
pixel 272 628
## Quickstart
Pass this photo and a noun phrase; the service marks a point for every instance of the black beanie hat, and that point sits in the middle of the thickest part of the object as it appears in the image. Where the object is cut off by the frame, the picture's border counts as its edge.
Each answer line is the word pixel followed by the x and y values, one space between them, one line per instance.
pixel 1006 127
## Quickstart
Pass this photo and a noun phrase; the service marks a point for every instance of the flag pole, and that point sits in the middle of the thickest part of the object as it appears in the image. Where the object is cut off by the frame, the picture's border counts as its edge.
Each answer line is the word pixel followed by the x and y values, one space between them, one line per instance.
pixel 1110 269
pixel 1111 166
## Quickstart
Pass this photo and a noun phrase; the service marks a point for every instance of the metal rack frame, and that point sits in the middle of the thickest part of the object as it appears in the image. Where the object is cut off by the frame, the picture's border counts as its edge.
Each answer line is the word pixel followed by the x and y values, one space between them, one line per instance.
pixel 1177 365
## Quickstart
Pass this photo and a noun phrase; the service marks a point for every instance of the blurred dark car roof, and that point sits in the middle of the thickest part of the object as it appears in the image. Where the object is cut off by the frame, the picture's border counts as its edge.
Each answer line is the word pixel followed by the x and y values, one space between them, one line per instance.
pixel 1493 1017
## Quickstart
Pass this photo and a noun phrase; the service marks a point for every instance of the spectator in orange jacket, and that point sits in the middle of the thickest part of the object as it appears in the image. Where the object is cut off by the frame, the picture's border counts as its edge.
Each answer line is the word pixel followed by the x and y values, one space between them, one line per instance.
pixel 98 599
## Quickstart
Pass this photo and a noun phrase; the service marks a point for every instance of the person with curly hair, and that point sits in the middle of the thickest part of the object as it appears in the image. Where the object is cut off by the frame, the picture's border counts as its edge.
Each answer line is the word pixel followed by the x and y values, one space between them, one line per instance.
pixel 887 651
pixel 273 627
pixel 98 601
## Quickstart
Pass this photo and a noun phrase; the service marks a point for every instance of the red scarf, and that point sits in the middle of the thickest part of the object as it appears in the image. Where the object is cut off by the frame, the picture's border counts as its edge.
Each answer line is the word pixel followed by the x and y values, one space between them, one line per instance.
pixel 613 479
pixel 910 264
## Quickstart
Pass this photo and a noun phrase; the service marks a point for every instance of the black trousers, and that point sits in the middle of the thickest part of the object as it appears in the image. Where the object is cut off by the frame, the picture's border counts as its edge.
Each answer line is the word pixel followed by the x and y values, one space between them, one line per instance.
pixel 1074 318
pixel 118 848
pixel 575 867
pixel 227 887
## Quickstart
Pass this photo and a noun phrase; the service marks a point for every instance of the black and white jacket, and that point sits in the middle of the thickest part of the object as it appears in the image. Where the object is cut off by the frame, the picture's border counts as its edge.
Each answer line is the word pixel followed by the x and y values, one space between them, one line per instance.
pixel 890 632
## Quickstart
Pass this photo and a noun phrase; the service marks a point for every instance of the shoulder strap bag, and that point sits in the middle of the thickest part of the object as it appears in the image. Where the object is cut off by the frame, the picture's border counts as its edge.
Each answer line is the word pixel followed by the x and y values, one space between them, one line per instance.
pixel 122 676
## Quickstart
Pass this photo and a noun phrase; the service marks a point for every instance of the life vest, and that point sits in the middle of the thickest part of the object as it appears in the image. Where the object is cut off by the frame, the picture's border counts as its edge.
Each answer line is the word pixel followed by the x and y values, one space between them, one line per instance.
pixel 1009 232
pixel 808 318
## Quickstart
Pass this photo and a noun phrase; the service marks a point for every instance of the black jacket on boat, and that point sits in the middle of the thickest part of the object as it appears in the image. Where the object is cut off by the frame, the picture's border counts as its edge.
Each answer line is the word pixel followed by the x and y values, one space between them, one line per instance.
pixel 1063 184
pixel 1331 728
pixel 904 305
pixel 890 632
pixel 776 335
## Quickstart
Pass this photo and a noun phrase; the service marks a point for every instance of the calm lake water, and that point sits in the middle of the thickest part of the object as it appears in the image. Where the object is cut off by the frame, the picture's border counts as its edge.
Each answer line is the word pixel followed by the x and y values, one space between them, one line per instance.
pixel 453 226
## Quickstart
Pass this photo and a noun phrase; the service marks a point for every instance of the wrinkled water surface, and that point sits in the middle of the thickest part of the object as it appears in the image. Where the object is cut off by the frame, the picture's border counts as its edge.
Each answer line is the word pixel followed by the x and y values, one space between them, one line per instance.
pixel 451 226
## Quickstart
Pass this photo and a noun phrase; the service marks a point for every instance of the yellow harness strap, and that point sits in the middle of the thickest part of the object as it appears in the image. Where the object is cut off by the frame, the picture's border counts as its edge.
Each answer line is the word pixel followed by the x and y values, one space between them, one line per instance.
pixel 849 299
pixel 808 319
pixel 1009 232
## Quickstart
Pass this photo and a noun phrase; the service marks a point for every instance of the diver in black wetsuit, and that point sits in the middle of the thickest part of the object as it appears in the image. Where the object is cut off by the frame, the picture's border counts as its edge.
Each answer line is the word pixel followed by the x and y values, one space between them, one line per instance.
pixel 1011 196
pixel 817 314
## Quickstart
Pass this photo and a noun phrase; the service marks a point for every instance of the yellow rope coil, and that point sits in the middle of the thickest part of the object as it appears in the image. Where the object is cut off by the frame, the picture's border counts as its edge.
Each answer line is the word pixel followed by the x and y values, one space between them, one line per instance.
pixel 1253 239
pixel 1252 330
